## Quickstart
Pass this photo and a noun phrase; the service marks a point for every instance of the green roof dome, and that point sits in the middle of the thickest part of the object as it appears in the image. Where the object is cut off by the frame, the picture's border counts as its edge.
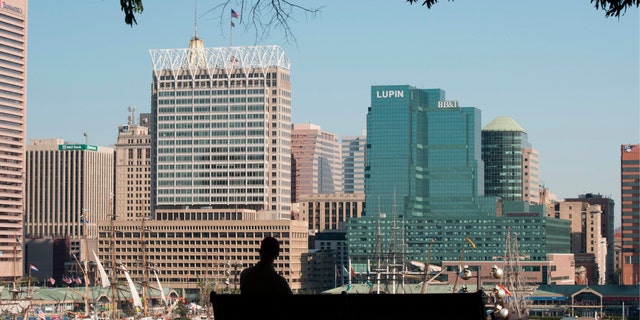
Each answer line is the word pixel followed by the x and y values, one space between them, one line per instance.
pixel 503 124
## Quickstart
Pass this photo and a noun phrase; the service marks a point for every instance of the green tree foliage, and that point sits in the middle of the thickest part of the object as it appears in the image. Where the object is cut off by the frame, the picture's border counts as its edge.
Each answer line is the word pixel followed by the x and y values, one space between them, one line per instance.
pixel 279 11
pixel 612 8
pixel 130 9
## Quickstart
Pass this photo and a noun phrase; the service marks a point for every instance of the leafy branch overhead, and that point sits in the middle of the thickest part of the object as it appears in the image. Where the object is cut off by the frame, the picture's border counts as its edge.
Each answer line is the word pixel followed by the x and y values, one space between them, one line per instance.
pixel 266 14
pixel 612 8
pixel 130 8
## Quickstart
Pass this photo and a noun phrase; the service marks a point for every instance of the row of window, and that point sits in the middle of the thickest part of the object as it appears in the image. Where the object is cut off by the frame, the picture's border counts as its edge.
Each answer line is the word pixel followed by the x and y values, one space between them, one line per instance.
pixel 169 134
pixel 207 166
pixel 229 92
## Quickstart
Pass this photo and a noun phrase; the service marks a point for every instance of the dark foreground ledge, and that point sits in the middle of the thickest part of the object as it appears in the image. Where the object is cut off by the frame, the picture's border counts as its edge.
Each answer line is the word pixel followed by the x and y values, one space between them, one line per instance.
pixel 349 306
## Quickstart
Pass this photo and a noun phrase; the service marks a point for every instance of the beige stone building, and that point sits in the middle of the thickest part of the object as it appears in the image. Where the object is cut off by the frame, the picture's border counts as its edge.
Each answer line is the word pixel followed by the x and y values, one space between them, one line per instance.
pixel 13 97
pixel 329 211
pixel 68 189
pixel 188 247
pixel 133 169
pixel 586 234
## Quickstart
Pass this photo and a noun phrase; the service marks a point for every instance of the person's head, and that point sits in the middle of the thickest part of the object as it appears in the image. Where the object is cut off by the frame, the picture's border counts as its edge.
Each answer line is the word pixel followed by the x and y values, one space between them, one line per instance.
pixel 269 249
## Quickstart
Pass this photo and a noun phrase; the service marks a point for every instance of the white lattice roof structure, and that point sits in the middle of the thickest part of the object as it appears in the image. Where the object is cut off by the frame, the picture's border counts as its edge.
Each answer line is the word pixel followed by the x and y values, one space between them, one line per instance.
pixel 261 57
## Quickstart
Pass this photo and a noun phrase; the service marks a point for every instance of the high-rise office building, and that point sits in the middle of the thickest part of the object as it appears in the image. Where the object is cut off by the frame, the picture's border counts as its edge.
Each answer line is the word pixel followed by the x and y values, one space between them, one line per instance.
pixel 133 169
pixel 423 155
pixel 425 185
pixel 220 131
pixel 67 191
pixel 221 128
pixel 13 97
pixel 510 164
pixel 354 150
pixel 630 209
pixel 316 163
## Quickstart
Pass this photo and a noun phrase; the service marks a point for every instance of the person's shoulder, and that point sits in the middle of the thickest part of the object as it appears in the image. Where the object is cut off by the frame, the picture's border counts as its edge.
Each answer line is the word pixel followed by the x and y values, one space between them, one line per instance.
pixel 246 271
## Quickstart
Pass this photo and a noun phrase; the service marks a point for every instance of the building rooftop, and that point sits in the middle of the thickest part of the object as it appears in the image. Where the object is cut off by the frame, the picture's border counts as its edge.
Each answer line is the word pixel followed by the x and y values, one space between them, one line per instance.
pixel 503 124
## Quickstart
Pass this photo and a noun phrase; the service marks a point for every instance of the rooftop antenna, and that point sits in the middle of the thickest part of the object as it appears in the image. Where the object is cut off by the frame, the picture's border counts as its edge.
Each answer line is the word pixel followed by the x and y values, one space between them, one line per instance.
pixel 132 117
pixel 195 18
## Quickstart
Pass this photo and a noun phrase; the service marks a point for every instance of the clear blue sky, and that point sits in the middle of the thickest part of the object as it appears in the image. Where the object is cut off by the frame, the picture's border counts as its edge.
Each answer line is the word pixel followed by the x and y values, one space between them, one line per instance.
pixel 563 71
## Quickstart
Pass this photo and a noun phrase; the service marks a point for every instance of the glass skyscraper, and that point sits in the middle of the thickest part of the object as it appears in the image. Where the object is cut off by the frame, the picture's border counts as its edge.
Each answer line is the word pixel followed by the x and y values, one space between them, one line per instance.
pixel 511 165
pixel 353 163
pixel 423 155
pixel 424 182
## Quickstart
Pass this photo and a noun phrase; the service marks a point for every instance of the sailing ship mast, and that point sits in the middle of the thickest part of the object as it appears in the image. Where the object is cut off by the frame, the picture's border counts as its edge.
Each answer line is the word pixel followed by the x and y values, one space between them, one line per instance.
pixel 145 281
pixel 114 279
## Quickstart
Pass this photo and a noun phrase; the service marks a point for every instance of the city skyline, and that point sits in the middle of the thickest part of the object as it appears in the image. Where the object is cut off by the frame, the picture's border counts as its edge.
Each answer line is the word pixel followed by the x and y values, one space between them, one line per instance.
pixel 492 61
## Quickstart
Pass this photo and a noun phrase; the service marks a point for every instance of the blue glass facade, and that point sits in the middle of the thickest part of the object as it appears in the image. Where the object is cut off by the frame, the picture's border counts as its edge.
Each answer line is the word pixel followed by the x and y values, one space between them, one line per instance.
pixel 502 147
pixel 424 182
pixel 537 236
pixel 423 155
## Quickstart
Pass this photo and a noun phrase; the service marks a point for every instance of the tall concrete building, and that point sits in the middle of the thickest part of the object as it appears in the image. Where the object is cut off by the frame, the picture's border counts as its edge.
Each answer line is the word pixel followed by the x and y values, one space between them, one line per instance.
pixel 68 191
pixel 586 235
pixel 133 169
pixel 330 211
pixel 510 164
pixel 630 208
pixel 317 161
pixel 607 228
pixel 221 129
pixel 13 98
pixel 220 169
pixel 354 152
pixel 189 247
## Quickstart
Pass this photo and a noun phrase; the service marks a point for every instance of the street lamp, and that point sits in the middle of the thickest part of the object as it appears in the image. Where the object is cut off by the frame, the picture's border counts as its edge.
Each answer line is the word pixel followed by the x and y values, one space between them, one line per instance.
pixel 235 266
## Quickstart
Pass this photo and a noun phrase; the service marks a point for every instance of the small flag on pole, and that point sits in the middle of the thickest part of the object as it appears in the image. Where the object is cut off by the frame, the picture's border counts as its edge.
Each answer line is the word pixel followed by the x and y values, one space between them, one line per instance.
pixel 234 14
pixel 41 315
pixel 504 288
pixel 467 239
pixel 233 24
pixel 33 267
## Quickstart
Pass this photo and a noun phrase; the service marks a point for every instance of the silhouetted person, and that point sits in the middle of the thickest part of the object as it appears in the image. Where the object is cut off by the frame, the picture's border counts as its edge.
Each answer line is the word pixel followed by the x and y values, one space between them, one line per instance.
pixel 262 278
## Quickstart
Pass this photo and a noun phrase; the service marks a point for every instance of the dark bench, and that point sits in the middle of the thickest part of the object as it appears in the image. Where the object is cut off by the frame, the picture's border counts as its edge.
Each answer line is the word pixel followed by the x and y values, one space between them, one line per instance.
pixel 349 306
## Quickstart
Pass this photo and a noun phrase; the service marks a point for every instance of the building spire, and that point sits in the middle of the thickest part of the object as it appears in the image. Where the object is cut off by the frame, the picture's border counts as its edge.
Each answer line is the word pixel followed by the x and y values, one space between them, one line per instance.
pixel 195 19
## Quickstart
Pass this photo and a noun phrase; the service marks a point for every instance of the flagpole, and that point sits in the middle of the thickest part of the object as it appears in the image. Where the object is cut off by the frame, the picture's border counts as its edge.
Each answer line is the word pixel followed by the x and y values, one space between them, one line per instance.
pixel 349 270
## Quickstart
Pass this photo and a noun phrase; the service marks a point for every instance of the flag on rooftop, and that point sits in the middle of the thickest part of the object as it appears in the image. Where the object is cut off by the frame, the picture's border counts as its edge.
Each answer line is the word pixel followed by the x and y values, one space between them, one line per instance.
pixel 33 267
pixel 234 14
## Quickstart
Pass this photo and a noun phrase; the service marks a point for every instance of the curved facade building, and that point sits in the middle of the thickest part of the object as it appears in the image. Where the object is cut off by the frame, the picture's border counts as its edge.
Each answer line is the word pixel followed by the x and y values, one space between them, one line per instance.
pixel 510 164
